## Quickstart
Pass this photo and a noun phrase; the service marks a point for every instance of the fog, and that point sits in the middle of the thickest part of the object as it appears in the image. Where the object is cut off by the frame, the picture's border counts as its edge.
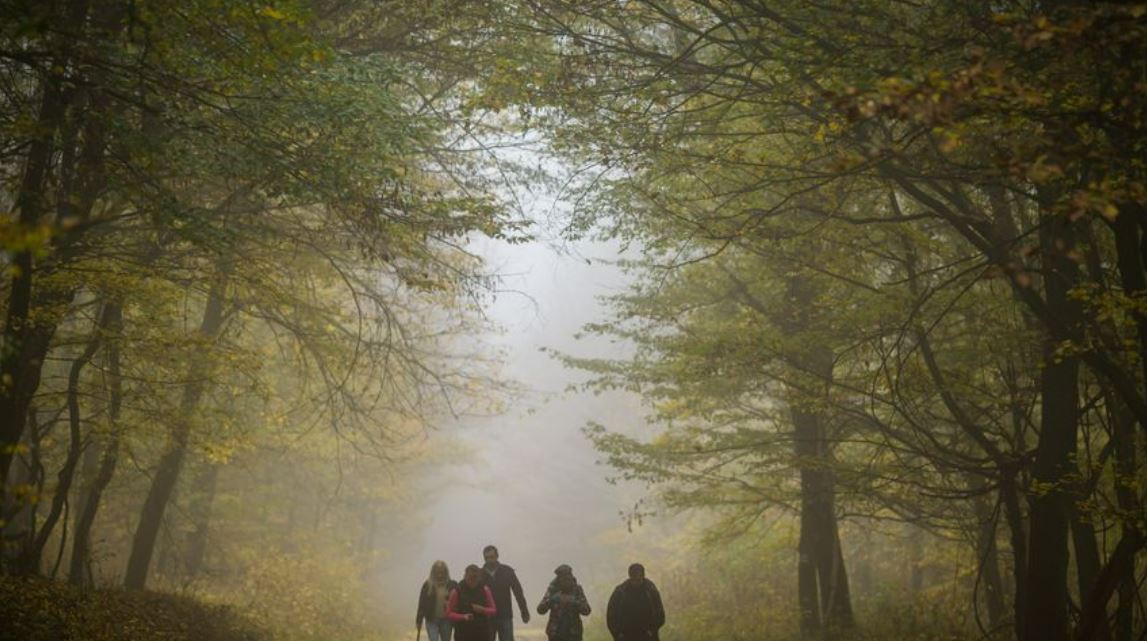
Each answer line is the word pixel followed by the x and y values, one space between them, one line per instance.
pixel 275 339
pixel 527 480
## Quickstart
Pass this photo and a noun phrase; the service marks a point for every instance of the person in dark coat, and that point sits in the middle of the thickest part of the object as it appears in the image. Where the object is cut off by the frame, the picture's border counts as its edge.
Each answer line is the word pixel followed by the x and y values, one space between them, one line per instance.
pixel 502 580
pixel 432 602
pixel 470 607
pixel 635 612
pixel 565 601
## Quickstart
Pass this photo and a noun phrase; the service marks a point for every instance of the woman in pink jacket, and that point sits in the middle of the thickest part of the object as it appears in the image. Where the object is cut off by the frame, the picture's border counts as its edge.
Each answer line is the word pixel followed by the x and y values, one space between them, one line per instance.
pixel 470 607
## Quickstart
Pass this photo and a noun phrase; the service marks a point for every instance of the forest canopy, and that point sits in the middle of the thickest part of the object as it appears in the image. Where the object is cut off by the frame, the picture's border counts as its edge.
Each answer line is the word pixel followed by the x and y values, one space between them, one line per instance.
pixel 885 275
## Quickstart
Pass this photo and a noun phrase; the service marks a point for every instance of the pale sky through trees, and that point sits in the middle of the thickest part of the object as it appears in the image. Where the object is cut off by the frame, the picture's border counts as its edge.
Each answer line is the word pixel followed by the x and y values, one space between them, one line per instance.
pixel 533 488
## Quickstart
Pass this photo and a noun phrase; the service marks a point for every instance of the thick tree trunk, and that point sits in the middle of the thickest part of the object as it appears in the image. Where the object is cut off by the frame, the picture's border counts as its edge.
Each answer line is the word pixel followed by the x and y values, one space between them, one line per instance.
pixel 1088 566
pixel 819 537
pixel 1124 614
pixel 1131 251
pixel 171 463
pixel 823 588
pixel 1130 247
pixel 1046 609
pixel 809 602
pixel 824 598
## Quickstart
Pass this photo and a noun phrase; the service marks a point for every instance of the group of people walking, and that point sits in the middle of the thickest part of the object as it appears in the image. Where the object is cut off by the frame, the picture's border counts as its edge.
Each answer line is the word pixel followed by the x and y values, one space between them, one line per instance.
pixel 479 608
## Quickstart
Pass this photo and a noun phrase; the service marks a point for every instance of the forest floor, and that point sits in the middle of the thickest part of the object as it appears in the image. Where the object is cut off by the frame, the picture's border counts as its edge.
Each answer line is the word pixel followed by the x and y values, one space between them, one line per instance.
pixel 41 610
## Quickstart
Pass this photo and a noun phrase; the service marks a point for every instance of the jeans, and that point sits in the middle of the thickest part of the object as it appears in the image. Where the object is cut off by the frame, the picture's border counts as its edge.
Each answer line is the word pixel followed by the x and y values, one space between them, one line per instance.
pixel 503 629
pixel 438 629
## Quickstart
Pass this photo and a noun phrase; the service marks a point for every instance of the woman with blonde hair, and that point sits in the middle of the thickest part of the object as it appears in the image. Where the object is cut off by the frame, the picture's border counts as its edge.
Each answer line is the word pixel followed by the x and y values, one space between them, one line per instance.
pixel 432 602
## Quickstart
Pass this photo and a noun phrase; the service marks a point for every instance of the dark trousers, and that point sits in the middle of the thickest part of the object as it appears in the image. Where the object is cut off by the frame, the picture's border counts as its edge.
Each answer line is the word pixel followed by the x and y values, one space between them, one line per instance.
pixel 636 635
pixel 477 630
pixel 502 629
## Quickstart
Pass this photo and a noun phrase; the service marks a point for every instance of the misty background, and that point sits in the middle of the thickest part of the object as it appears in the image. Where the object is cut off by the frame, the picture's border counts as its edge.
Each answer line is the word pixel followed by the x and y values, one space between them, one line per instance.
pixel 527 480
pixel 292 294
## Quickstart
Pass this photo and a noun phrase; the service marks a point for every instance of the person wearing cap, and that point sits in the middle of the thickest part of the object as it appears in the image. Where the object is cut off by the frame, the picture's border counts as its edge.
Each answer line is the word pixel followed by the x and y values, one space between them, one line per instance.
pixel 566 603
pixel 635 612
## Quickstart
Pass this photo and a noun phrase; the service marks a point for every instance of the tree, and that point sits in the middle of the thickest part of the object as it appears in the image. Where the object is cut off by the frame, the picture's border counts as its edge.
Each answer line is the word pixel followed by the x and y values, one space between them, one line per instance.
pixel 250 153
pixel 729 114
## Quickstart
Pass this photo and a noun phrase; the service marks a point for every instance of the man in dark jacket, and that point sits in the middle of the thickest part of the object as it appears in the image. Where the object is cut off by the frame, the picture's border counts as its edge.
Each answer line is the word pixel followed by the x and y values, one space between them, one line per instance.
pixel 635 612
pixel 502 580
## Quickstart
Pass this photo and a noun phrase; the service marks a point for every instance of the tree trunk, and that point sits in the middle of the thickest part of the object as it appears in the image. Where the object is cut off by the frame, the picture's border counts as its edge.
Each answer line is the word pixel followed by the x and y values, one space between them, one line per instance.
pixel 1131 252
pixel 1017 537
pixel 79 570
pixel 34 553
pixel 89 471
pixel 1046 609
pixel 1085 543
pixel 987 553
pixel 24 342
pixel 202 498
pixel 810 608
pixel 1094 607
pixel 1130 247
pixel 839 599
pixel 18 521
pixel 1128 501
pixel 1088 566
pixel 823 591
pixel 171 463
